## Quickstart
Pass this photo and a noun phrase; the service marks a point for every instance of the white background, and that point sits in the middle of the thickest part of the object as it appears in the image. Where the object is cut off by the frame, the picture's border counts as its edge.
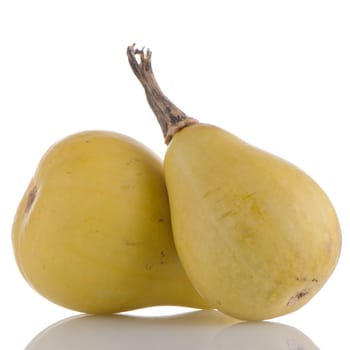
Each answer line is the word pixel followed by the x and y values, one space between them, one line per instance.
pixel 275 73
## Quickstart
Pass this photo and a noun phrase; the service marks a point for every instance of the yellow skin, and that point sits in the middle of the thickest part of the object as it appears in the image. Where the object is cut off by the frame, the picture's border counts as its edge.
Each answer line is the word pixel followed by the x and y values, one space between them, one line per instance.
pixel 92 232
pixel 256 235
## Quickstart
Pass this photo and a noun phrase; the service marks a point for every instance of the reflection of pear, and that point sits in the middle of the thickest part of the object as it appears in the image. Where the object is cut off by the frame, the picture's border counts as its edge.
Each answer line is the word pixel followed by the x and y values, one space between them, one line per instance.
pixel 256 235
pixel 189 331
pixel 92 232
pixel 261 336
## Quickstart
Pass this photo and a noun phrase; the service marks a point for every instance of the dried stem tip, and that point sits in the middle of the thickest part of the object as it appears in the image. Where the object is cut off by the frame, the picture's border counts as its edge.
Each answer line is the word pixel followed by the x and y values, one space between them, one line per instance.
pixel 170 118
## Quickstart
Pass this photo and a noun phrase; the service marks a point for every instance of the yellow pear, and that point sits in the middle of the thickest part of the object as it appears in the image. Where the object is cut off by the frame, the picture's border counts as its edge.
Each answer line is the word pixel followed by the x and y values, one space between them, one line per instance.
pixel 257 236
pixel 92 232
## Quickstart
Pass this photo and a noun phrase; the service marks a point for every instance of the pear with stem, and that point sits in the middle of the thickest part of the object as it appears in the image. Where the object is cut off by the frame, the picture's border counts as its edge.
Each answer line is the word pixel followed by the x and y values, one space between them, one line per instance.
pixel 256 235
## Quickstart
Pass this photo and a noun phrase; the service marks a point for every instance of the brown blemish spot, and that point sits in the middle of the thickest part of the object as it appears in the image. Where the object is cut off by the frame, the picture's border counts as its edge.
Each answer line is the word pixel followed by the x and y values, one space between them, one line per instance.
pixel 161 220
pixel 315 280
pixel 31 197
pixel 295 298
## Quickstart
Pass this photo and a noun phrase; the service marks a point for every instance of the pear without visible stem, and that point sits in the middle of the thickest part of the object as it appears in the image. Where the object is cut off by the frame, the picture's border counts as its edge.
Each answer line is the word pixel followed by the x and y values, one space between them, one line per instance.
pixel 257 236
pixel 92 232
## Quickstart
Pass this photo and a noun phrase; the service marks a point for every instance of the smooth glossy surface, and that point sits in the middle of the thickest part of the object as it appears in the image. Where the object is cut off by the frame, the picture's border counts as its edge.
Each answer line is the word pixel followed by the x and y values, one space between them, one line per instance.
pixel 256 235
pixel 92 233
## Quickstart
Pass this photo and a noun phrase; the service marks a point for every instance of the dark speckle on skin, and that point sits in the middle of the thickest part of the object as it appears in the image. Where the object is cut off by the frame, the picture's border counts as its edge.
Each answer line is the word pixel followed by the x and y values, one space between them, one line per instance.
pixel 304 279
pixel 31 197
pixel 162 256
pixel 295 298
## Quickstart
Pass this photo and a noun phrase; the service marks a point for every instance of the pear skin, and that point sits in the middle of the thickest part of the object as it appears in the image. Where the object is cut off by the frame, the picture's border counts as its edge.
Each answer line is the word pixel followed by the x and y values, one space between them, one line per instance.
pixel 92 232
pixel 257 236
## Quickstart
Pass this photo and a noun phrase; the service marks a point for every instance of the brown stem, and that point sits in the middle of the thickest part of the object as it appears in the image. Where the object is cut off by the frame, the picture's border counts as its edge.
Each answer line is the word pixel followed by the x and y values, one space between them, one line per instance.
pixel 170 118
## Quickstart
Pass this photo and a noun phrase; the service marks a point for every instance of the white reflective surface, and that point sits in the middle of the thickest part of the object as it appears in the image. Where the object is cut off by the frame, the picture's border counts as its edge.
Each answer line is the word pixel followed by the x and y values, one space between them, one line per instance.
pixel 205 330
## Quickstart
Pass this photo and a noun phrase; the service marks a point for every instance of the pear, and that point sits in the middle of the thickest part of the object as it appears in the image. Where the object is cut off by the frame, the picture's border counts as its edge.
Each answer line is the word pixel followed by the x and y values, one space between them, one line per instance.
pixel 92 232
pixel 257 236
